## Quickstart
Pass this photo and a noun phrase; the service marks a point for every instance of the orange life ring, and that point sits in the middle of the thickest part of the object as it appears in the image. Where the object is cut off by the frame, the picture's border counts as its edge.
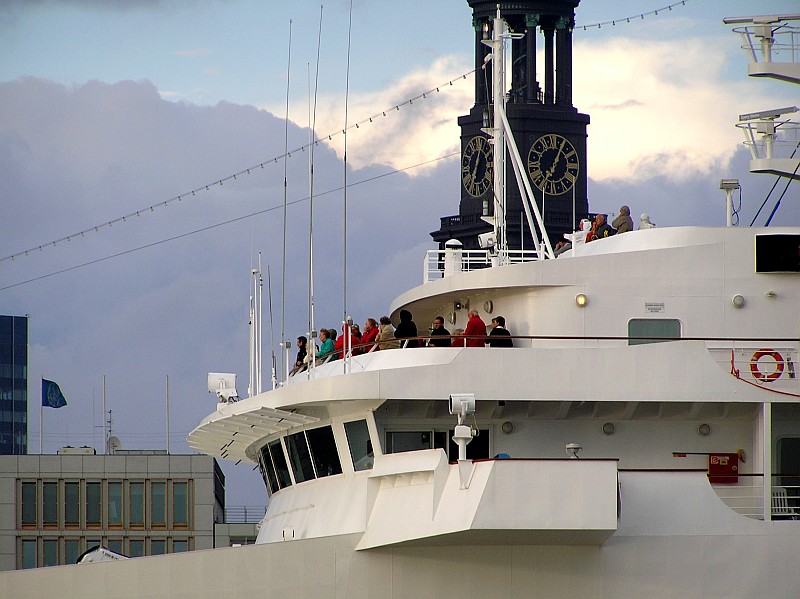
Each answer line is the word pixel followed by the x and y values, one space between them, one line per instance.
pixel 766 378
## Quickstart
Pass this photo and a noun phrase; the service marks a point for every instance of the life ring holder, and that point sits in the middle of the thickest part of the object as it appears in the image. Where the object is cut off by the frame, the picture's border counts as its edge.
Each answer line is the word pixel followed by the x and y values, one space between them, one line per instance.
pixel 772 376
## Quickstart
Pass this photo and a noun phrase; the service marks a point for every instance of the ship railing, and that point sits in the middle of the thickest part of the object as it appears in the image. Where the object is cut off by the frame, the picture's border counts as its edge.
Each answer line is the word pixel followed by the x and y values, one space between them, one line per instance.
pixel 746 496
pixel 771 138
pixel 765 43
pixel 244 514
pixel 769 362
pixel 442 263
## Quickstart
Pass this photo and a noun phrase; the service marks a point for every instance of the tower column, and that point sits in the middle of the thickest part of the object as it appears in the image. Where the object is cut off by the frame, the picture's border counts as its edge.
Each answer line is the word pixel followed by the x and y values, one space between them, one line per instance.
pixel 532 87
pixel 563 61
pixel 548 64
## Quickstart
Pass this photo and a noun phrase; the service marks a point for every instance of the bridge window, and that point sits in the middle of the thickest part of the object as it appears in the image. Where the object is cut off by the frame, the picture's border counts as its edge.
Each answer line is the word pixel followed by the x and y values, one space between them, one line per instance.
pixel 360 445
pixel 323 451
pixel 268 470
pixel 279 459
pixel 300 457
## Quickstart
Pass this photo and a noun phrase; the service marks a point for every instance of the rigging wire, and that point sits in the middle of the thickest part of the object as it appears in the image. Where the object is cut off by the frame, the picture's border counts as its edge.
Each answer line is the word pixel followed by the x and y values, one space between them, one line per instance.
pixel 223 223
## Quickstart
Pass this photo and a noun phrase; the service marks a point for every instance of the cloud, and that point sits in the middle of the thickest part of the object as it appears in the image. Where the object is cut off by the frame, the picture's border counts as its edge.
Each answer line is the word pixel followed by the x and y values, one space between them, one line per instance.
pixel 660 108
pixel 399 134
pixel 71 158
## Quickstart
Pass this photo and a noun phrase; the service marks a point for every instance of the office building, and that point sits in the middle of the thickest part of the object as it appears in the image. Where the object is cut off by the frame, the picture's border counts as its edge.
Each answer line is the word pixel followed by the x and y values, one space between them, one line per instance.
pixel 13 385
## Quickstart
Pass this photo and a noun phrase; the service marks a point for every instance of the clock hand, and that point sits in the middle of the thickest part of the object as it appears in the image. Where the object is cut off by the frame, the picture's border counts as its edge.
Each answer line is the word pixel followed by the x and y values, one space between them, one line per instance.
pixel 552 168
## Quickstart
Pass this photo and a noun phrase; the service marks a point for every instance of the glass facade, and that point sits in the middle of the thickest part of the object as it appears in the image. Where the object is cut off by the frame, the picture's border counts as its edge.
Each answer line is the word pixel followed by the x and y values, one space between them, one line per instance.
pixel 13 385
pixel 53 516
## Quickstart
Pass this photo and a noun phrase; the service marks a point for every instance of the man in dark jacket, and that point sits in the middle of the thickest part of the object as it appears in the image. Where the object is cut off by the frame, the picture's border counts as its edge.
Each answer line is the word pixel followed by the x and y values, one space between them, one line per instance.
pixel 603 228
pixel 440 336
pixel 407 329
pixel 499 337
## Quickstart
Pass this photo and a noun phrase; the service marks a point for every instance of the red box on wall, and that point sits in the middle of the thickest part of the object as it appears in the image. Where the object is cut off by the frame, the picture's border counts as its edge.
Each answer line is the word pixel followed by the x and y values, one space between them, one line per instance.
pixel 723 468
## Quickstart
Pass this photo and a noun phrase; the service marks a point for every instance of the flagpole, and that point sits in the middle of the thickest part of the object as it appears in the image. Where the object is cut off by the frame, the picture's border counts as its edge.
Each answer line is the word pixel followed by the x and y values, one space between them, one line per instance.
pixel 167 414
pixel 41 419
pixel 105 437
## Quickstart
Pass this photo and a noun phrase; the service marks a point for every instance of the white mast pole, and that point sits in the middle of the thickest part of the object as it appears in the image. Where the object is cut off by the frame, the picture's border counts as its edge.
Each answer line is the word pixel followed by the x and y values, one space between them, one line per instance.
pixel 498 135
pixel 167 400
pixel 105 433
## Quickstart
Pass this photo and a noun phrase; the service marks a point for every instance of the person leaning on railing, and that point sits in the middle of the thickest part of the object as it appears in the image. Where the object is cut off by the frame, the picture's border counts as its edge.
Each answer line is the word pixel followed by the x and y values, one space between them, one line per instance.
pixel 440 336
pixel 475 333
pixel 386 338
pixel 407 329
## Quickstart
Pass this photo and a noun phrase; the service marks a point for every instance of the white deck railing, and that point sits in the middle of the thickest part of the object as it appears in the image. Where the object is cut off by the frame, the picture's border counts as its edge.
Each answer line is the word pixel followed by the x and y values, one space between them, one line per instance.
pixel 436 263
pixel 747 498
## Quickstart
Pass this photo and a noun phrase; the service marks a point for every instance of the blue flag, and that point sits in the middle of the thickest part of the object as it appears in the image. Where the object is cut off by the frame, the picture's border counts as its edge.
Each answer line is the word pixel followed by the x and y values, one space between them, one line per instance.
pixel 51 395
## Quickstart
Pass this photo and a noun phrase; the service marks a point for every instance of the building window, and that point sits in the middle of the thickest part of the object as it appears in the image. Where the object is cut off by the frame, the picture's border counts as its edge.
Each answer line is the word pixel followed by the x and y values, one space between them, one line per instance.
pixel 72 550
pixel 50 552
pixel 158 546
pixel 158 504
pixel 115 504
pixel 93 504
pixel 28 553
pixel 136 504
pixel 323 450
pixel 180 504
pixel 28 504
pixel 72 505
pixel 300 457
pixel 135 547
pixel 114 545
pixel 653 330
pixel 360 445
pixel 281 469
pixel 180 545
pixel 50 504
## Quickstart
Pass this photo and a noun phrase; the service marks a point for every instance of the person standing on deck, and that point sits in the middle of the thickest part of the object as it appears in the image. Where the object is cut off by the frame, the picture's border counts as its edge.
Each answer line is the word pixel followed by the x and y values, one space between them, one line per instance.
pixel 475 333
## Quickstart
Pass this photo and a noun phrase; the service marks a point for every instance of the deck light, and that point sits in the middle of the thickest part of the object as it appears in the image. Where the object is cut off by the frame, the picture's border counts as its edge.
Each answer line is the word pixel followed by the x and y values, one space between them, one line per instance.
pixel 581 300
pixel 737 301
pixel 608 428
pixel 704 430
pixel 507 427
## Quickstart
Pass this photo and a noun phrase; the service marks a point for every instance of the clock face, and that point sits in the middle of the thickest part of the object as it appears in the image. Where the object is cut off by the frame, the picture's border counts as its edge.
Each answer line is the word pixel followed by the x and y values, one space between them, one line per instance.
pixel 477 166
pixel 553 164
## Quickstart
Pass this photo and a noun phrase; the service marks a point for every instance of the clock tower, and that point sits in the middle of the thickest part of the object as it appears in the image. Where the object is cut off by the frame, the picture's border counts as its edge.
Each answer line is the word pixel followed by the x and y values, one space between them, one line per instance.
pixel 549 131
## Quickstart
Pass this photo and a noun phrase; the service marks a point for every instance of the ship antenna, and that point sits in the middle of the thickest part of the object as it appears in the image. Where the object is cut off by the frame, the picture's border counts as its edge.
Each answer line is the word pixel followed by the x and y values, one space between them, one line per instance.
pixel 255 330
pixel 274 372
pixel 345 320
pixel 313 135
pixel 285 345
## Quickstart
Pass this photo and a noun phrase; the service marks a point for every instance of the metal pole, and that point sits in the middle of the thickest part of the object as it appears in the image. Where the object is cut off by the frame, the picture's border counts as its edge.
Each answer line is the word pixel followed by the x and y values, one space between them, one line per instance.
pixel 167 414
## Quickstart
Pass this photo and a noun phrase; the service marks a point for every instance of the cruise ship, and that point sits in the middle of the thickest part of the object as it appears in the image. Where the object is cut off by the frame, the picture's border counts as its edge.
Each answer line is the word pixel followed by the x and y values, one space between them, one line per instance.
pixel 639 437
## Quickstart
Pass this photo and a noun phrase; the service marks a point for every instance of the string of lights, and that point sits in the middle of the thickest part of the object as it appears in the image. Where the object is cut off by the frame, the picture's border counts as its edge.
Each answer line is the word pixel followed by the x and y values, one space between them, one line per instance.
pixel 223 223
pixel 242 173
pixel 633 18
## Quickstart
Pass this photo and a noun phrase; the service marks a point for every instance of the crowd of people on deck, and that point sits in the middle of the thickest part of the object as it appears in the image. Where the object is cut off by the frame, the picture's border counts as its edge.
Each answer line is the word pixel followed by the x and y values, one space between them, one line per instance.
pixel 382 335
pixel 600 229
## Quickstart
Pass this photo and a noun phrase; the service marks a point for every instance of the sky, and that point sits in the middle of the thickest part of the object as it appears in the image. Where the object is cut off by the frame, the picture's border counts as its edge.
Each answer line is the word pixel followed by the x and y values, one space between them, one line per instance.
pixel 122 125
